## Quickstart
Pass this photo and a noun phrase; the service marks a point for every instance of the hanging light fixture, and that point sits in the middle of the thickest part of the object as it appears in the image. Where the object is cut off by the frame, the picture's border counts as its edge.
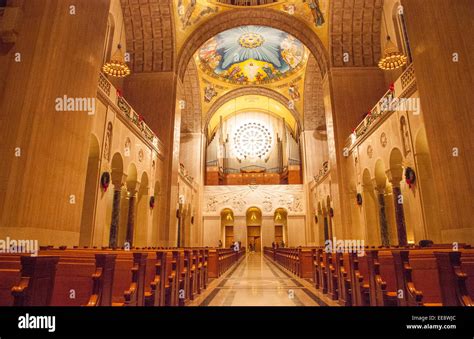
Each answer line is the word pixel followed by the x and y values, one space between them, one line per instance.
pixel 392 57
pixel 117 67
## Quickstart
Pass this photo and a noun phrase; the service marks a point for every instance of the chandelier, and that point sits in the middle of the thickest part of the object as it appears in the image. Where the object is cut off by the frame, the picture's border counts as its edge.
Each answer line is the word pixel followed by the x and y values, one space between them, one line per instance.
pixel 117 67
pixel 392 57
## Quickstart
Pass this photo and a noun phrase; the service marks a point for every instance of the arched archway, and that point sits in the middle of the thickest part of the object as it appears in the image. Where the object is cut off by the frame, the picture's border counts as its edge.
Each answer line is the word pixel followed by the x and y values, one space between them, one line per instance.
pixel 157 209
pixel 143 225
pixel 381 188
pixel 128 206
pixel 114 205
pixel 395 175
pixel 227 226
pixel 90 193
pixel 426 186
pixel 319 224
pixel 254 90
pixel 252 16
pixel 369 203
pixel 280 219
pixel 253 218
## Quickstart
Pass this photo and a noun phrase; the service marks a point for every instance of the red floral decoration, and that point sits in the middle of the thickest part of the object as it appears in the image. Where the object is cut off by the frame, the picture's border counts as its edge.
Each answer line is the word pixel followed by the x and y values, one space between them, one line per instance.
pixel 410 176
pixel 119 93
pixel 392 88
pixel 331 212
pixel 152 202
pixel 105 181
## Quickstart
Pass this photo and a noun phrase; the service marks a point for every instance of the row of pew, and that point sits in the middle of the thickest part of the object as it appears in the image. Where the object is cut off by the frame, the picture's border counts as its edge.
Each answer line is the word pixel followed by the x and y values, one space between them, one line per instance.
pixel 110 277
pixel 386 276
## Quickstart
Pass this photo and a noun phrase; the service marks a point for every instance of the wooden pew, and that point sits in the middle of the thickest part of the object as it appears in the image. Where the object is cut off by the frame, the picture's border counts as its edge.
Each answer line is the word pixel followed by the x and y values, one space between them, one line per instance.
pixel 129 273
pixel 417 278
pixel 382 278
pixel 26 280
pixel 323 272
pixel 453 276
pixel 156 293
pixel 10 275
pixel 359 280
pixel 343 279
pixel 134 292
pixel 331 275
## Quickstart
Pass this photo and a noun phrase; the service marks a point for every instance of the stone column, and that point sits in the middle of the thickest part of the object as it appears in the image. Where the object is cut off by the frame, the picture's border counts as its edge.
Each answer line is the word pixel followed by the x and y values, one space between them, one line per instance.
pixel 447 103
pixel 156 96
pixel 399 211
pixel 132 188
pixel 44 147
pixel 348 92
pixel 117 180
pixel 380 192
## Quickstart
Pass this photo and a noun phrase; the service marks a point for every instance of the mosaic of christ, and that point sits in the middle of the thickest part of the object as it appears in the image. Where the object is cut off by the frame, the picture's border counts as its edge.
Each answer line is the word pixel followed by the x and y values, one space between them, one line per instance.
pixel 252 54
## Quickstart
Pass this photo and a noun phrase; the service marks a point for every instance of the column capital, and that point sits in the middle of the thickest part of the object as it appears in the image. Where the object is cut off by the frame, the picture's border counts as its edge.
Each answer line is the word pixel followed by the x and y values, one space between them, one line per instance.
pixel 133 186
pixel 377 187
pixel 118 179
pixel 394 177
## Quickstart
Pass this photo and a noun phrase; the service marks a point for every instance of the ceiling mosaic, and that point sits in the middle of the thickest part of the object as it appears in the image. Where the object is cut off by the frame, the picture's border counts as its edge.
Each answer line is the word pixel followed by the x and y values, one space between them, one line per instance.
pixel 252 55
pixel 192 13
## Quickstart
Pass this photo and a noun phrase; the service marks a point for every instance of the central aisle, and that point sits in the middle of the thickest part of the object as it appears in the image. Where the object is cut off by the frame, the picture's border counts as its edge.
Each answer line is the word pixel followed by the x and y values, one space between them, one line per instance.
pixel 257 281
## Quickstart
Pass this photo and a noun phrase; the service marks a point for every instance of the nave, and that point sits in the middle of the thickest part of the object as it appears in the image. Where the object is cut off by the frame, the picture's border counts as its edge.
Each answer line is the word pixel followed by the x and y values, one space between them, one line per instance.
pixel 257 281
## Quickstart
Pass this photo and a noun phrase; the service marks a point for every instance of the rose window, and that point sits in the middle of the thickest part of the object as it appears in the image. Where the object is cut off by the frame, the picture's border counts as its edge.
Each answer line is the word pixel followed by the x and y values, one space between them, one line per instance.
pixel 252 140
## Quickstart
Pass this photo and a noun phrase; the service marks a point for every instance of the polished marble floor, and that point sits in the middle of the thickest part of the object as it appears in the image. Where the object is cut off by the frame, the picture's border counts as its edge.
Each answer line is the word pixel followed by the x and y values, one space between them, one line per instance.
pixel 257 281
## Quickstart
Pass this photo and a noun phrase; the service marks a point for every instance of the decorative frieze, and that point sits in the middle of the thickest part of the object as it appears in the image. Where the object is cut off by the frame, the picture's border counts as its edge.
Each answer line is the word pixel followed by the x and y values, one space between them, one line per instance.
pixel 266 197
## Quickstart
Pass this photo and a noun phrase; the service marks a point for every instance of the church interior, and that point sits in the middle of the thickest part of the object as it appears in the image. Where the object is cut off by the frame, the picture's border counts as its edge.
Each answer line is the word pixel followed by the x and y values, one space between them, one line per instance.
pixel 236 153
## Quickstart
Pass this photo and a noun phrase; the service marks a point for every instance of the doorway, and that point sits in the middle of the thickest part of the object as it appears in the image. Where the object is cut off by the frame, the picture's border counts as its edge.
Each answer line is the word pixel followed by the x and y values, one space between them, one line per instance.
pixel 229 236
pixel 254 235
pixel 254 238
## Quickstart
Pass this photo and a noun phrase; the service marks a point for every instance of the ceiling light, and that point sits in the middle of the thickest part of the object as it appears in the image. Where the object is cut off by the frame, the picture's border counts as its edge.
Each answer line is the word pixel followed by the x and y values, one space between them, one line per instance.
pixel 117 67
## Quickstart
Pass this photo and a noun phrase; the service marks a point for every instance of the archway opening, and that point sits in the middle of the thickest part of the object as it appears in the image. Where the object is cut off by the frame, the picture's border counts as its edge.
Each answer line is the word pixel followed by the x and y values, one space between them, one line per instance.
pixel 280 219
pixel 425 179
pixel 227 226
pixel 142 232
pixel 253 218
pixel 90 194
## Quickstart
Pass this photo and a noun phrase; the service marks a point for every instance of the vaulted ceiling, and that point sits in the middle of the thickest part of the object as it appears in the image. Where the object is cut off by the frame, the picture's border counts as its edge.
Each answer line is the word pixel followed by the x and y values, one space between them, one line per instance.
pixel 160 35
pixel 149 31
pixel 355 29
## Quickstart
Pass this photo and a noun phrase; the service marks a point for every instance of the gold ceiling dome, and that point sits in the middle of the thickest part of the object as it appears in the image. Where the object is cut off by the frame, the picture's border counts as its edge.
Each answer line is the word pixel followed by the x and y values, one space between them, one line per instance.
pixel 117 67
pixel 392 58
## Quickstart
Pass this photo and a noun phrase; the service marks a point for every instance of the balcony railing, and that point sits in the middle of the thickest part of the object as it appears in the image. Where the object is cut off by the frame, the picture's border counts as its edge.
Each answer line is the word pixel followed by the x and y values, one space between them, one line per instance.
pixel 403 87
pixel 132 118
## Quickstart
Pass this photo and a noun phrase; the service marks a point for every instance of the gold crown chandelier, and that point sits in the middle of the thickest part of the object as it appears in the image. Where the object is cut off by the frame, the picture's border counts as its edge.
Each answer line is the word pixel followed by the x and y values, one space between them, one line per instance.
pixel 392 57
pixel 117 67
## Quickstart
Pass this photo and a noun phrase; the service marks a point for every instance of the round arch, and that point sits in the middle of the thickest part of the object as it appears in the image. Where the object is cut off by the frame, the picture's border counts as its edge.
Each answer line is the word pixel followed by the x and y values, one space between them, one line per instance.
pixel 252 16
pixel 117 163
pixel 239 92
pixel 143 224
pixel 396 159
pixel 227 227
pixel 380 176
pixel 87 230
